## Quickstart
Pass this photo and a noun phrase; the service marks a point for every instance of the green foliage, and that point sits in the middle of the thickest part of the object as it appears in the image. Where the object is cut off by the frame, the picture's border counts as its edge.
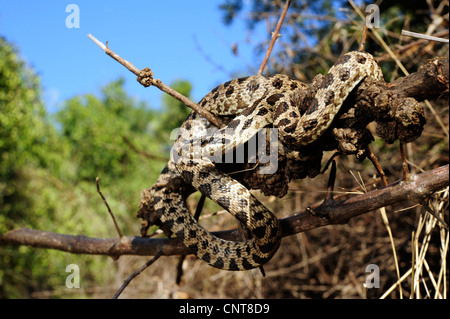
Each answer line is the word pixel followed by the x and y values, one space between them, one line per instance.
pixel 28 146
pixel 174 112
pixel 230 8
pixel 49 164
pixel 94 129
pixel 26 137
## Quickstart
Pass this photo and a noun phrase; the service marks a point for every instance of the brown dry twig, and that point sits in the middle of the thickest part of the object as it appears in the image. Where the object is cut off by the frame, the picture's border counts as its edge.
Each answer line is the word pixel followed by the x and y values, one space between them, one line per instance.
pixel 377 165
pixel 109 209
pixel 363 39
pixel 275 36
pixel 414 44
pixel 135 274
pixel 145 77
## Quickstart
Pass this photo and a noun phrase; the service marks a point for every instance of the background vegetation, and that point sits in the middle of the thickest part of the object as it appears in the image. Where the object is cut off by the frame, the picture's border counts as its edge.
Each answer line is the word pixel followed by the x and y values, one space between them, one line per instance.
pixel 49 162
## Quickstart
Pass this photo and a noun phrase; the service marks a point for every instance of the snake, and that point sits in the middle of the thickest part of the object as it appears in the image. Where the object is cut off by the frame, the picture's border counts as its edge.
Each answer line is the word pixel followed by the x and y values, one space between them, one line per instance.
pixel 253 103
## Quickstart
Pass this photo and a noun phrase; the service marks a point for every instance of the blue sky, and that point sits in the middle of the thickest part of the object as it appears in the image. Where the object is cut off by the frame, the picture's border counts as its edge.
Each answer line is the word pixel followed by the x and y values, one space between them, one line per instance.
pixel 163 35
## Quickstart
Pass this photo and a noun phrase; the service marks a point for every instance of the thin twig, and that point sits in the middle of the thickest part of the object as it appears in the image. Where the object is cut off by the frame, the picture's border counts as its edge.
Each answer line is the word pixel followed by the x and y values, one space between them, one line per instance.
pixel 275 36
pixel 399 64
pixel 380 39
pixel 386 223
pixel 423 36
pixel 434 214
pixel 410 45
pixel 325 168
pixel 180 269
pixel 331 181
pixel 149 80
pixel 109 209
pixel 377 165
pixel 406 174
pixel 135 274
pixel 383 213
pixel 122 61
pixel 363 39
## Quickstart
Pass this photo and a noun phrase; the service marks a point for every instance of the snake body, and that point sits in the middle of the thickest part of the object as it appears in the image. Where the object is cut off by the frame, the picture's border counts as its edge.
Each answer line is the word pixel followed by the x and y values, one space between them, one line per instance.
pixel 255 102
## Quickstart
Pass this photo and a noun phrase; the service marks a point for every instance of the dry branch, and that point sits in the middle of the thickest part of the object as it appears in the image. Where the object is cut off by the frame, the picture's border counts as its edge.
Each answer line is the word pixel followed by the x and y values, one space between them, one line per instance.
pixel 145 77
pixel 430 81
pixel 275 36
pixel 416 189
pixel 116 225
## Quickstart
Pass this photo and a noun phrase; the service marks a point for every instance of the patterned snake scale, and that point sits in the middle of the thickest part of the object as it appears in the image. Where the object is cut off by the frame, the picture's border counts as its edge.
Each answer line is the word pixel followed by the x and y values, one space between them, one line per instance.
pixel 255 102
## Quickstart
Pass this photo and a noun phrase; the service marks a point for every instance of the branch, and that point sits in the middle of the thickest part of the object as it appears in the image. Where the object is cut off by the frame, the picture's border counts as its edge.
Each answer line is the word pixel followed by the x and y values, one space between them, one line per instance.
pixel 416 189
pixel 145 77
pixel 275 36
pixel 135 274
pixel 430 81
pixel 108 208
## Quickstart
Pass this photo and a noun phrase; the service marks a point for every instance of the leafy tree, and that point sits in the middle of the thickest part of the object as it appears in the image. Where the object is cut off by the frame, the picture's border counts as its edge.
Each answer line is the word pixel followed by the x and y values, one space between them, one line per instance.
pixel 94 127
pixel 49 165
pixel 28 144
pixel 173 113
pixel 27 139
